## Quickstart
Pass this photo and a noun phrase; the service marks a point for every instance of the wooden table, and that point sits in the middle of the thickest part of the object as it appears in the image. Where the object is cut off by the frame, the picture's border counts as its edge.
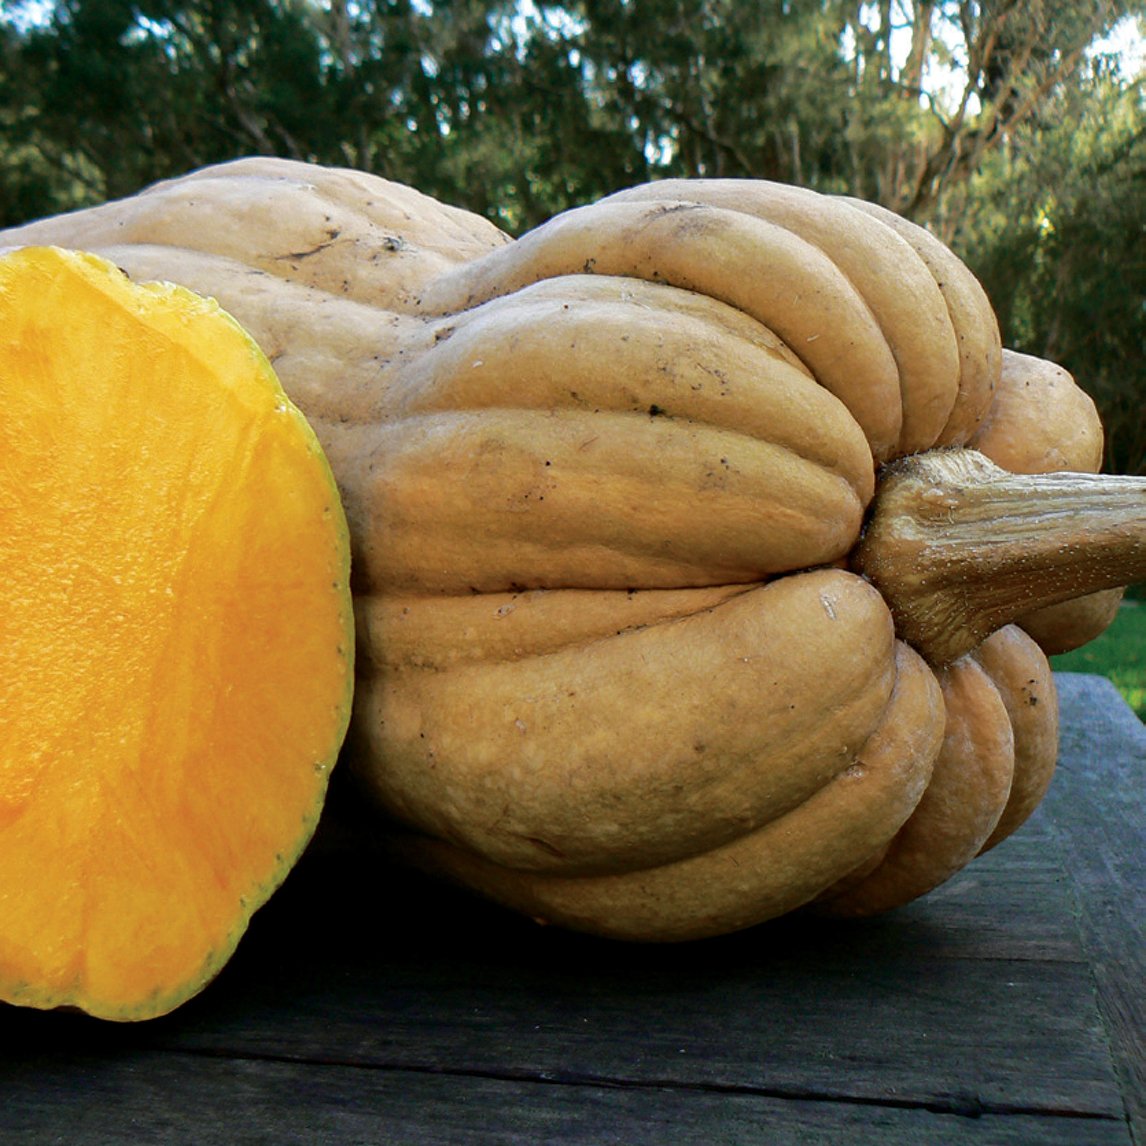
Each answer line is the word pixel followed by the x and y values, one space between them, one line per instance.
pixel 1009 1007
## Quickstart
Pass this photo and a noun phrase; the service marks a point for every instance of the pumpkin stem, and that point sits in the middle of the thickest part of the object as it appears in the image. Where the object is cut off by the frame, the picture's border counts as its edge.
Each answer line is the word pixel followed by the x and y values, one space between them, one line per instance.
pixel 959 547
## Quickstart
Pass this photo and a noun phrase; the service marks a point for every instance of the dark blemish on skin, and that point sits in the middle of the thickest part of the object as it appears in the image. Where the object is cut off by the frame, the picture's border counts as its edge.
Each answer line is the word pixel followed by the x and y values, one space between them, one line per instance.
pixel 546 846
pixel 331 235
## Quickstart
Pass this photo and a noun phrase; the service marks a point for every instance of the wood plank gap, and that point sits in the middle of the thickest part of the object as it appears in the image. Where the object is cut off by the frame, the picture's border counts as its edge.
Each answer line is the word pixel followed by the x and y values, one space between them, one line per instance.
pixel 958 1105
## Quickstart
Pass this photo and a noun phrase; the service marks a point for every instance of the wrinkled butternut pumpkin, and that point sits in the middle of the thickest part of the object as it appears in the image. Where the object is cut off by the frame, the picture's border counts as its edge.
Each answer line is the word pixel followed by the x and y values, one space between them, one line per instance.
pixel 624 664
pixel 176 636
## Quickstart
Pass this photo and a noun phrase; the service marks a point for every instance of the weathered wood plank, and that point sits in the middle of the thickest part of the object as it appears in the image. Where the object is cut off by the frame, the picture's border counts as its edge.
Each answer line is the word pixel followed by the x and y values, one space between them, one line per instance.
pixel 170 1100
pixel 956 1034
pixel 887 1010
pixel 1098 807
pixel 988 1012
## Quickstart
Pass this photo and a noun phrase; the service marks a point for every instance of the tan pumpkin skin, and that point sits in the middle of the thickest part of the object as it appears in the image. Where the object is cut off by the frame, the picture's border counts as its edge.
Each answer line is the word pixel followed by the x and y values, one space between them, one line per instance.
pixel 899 289
pixel 972 317
pixel 997 760
pixel 585 474
pixel 1022 675
pixel 1039 421
pixel 762 874
pixel 515 758
pixel 1060 628
pixel 563 478
pixel 765 271
pixel 969 788
pixel 357 237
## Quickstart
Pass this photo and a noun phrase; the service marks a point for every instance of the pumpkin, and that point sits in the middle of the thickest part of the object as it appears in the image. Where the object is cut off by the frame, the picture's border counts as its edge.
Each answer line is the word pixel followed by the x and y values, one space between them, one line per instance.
pixel 631 658
pixel 176 636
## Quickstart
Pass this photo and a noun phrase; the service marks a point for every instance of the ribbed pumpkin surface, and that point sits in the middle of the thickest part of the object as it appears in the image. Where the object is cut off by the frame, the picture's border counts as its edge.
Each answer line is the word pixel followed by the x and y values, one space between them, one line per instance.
pixel 625 663
pixel 175 636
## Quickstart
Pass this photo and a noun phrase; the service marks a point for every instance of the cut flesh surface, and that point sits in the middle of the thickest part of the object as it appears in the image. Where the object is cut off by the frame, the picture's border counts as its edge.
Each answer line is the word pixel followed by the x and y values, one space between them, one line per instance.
pixel 176 638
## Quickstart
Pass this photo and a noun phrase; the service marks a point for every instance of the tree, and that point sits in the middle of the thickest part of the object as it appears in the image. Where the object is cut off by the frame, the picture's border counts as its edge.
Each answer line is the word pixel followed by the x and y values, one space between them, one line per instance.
pixel 986 120
pixel 522 109
pixel 118 94
pixel 1055 225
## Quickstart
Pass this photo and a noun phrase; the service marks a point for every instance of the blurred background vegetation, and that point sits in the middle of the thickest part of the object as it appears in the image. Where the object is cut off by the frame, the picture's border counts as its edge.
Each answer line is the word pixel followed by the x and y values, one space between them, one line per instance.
pixel 1119 654
pixel 1013 128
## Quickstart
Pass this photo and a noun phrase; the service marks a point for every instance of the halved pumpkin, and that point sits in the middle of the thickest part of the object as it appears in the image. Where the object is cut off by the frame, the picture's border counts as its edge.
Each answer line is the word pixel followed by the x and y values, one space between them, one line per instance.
pixel 176 636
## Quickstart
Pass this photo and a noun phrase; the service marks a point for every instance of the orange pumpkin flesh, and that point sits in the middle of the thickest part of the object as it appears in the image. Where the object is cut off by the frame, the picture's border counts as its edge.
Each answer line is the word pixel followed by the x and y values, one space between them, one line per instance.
pixel 176 636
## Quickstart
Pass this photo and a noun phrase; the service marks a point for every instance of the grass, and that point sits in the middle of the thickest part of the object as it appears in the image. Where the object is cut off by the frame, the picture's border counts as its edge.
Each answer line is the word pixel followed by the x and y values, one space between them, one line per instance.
pixel 1119 654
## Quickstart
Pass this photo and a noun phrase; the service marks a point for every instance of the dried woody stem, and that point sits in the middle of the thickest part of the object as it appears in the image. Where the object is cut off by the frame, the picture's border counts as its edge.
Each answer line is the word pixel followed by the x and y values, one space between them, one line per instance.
pixel 959 547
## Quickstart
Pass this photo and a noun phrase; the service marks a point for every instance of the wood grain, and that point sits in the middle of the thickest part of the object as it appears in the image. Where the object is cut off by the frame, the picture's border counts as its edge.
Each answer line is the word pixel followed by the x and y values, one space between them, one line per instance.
pixel 1098 808
pixel 171 1100
pixel 367 1005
